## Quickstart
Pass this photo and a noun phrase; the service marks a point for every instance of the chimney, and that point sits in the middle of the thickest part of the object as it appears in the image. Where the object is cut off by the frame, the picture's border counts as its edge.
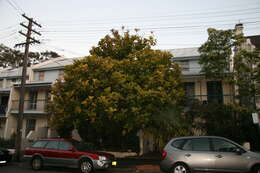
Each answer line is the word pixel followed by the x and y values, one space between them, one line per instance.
pixel 239 28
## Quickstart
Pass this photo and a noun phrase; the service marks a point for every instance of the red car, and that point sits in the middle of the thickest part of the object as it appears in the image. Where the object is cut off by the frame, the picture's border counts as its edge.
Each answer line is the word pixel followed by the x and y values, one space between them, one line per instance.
pixel 67 153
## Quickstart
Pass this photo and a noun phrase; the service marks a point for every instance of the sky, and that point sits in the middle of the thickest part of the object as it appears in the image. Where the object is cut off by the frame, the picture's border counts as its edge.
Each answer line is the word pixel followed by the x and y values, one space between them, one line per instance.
pixel 72 27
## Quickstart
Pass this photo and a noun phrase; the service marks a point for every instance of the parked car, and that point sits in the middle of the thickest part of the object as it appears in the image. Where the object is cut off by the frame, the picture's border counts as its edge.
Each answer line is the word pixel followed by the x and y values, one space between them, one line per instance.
pixel 209 154
pixel 5 156
pixel 67 153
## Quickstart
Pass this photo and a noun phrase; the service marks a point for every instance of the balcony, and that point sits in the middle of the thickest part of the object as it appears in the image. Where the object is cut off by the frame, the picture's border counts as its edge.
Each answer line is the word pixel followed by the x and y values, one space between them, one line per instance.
pixel 226 99
pixel 30 106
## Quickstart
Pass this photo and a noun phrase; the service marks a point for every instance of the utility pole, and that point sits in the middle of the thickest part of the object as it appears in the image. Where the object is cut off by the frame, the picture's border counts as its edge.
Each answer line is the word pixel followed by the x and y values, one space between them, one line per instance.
pixel 29 40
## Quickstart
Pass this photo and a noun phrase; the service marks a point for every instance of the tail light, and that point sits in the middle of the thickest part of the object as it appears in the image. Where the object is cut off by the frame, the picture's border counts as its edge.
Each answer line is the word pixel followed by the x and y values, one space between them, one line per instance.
pixel 164 154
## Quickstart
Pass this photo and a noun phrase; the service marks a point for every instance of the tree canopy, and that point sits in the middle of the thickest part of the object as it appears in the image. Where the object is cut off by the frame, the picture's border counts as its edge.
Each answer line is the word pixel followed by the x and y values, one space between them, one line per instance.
pixel 12 57
pixel 123 84
pixel 224 56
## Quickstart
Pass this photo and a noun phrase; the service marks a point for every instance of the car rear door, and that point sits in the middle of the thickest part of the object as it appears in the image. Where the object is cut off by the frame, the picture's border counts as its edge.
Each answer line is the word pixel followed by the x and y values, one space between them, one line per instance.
pixel 51 153
pixel 198 154
pixel 67 157
pixel 226 157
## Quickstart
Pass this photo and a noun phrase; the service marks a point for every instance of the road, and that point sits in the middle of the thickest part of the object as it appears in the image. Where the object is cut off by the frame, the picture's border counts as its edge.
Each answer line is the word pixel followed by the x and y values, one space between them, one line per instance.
pixel 124 166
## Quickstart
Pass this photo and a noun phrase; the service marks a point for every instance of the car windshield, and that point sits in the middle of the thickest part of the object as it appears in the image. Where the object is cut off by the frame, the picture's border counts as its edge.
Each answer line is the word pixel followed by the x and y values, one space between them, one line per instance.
pixel 83 146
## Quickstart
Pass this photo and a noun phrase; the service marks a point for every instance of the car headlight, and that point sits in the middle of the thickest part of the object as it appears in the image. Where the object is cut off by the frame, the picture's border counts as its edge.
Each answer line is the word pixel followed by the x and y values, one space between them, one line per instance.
pixel 102 158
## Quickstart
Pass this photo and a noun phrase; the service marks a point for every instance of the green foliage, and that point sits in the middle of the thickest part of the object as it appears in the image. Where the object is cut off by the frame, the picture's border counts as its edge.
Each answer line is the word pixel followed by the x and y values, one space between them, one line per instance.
pixel 216 54
pixel 117 92
pixel 231 121
pixel 12 57
pixel 246 64
pixel 119 46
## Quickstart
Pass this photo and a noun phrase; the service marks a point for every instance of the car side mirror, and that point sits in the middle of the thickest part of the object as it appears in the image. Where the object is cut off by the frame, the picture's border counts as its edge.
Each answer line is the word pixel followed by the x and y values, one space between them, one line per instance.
pixel 72 149
pixel 238 151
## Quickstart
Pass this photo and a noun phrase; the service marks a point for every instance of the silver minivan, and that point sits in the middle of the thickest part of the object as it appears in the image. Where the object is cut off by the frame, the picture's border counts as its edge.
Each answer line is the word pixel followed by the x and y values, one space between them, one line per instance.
pixel 207 154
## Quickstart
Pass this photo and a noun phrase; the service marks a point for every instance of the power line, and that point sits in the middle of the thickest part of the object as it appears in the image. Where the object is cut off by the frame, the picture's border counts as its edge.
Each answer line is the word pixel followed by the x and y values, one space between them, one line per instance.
pixel 205 14
pixel 14 7
pixel 154 28
pixel 7 36
pixel 18 6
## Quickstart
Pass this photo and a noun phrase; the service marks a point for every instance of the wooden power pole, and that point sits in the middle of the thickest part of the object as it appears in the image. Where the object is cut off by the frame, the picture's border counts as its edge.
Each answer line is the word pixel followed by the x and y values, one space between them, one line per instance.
pixel 29 40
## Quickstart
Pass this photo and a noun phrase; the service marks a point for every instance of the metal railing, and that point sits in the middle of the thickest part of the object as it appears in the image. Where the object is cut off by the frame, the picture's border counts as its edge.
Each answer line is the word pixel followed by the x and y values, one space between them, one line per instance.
pixel 226 99
pixel 31 105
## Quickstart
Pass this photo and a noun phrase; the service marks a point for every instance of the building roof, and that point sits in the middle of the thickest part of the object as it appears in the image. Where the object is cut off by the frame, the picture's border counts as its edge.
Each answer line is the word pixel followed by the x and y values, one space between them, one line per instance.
pixel 185 52
pixel 57 63
pixel 11 72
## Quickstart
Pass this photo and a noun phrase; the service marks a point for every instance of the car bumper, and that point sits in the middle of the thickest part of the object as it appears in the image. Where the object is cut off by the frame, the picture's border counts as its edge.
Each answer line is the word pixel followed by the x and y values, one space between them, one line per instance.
pixel 104 164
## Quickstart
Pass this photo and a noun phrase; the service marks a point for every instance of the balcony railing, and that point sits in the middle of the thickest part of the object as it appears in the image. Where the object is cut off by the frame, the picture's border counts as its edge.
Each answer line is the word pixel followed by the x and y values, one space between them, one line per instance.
pixel 31 105
pixel 226 99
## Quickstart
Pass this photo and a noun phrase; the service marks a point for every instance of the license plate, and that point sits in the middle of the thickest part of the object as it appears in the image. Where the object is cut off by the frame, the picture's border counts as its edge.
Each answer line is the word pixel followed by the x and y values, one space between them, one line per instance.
pixel 114 163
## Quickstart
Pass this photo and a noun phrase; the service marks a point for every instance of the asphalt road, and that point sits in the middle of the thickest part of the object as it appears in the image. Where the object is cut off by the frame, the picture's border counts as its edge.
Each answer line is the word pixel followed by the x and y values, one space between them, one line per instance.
pixel 124 166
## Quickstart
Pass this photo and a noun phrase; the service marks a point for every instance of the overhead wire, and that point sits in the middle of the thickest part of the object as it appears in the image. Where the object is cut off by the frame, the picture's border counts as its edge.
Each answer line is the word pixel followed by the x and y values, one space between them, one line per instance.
pixel 19 11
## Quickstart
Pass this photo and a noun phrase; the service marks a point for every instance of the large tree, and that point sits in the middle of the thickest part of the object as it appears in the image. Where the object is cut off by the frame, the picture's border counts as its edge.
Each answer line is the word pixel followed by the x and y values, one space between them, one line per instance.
pixel 11 57
pixel 122 86
pixel 224 57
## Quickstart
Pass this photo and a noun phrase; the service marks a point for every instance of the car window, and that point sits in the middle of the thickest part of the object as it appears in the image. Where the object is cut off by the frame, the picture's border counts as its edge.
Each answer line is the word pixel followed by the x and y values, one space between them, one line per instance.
pixel 221 145
pixel 52 145
pixel 39 144
pixel 200 144
pixel 187 146
pixel 64 145
pixel 178 143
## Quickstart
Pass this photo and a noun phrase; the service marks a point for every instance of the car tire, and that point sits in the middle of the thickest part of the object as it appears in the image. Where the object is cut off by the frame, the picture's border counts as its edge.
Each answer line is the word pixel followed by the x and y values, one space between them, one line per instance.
pixel 85 166
pixel 37 163
pixel 256 169
pixel 180 168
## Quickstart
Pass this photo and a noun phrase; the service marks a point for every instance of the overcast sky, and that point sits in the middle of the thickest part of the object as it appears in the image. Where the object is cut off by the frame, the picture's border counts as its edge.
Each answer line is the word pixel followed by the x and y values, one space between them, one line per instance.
pixel 72 27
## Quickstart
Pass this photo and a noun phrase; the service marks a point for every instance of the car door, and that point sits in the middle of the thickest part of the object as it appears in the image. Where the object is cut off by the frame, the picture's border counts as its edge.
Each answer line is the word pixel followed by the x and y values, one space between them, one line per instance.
pixel 227 159
pixel 51 153
pixel 198 154
pixel 67 156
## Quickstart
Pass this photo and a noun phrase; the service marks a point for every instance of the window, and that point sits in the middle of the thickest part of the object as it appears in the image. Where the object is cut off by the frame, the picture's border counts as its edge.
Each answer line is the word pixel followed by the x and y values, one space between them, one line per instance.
pixel 52 145
pixel 30 125
pixel 178 143
pixel 200 144
pixel 215 91
pixel 33 99
pixel 221 145
pixel 41 75
pixel 189 88
pixel 64 145
pixel 39 144
pixel 187 146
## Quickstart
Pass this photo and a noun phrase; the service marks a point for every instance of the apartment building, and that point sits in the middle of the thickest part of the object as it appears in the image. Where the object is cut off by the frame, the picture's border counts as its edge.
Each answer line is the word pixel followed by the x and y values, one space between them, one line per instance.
pixel 8 77
pixel 195 84
pixel 37 95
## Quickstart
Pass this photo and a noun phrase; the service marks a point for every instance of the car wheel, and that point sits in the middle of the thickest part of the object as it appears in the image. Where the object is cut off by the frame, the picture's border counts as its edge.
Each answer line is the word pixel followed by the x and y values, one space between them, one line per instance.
pixel 85 166
pixel 37 163
pixel 180 168
pixel 256 169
